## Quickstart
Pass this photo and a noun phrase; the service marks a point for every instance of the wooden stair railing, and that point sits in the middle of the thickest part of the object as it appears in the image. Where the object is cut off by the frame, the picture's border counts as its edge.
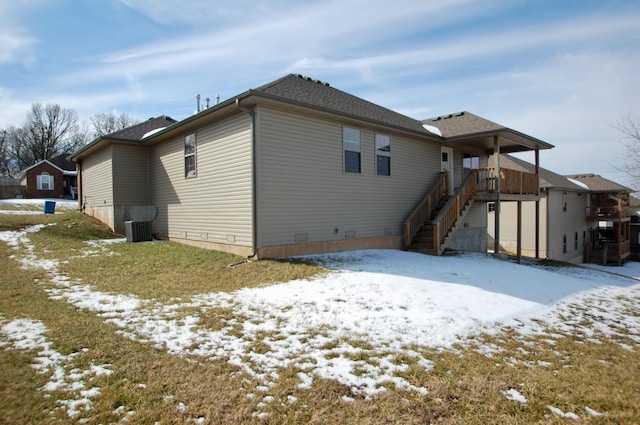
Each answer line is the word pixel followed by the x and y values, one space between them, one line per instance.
pixel 422 212
pixel 450 213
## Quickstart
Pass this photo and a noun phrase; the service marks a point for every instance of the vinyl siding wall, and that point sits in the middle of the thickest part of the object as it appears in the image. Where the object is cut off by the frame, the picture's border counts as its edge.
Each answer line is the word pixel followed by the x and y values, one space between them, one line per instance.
pixel 216 205
pixel 97 186
pixel 566 223
pixel 304 196
pixel 130 175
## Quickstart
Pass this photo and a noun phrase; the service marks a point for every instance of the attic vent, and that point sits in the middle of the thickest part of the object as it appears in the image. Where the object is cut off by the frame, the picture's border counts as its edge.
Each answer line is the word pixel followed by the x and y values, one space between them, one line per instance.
pixel 137 231
pixel 444 117
pixel 312 80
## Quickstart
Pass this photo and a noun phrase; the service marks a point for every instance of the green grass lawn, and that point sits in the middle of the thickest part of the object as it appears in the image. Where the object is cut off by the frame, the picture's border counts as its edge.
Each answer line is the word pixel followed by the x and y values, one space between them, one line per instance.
pixel 145 384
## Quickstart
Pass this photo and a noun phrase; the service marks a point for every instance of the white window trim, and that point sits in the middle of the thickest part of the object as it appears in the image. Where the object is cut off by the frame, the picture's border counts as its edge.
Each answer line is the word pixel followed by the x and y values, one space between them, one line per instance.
pixel 344 150
pixel 48 177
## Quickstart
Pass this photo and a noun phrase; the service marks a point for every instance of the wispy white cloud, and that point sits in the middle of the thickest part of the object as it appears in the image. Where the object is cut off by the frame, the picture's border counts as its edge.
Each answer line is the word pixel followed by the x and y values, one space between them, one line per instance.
pixel 16 41
pixel 562 78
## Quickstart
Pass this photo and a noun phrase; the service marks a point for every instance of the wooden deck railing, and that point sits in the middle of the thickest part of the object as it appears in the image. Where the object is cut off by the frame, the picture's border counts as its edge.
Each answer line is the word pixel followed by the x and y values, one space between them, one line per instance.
pixel 423 211
pixel 511 182
pixel 601 212
pixel 609 252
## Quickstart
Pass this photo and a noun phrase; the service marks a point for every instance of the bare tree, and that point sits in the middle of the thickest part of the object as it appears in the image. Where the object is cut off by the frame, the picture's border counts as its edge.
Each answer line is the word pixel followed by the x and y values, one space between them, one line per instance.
pixel 7 164
pixel 47 132
pixel 107 123
pixel 630 127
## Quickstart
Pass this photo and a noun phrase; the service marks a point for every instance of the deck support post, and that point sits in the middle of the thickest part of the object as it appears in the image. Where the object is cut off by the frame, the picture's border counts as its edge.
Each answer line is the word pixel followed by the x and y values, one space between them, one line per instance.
pixel 519 233
pixel 496 170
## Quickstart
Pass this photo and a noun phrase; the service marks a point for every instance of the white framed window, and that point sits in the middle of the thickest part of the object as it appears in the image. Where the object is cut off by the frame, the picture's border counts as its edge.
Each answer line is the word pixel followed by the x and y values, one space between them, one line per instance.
pixel 190 169
pixel 45 181
pixel 351 149
pixel 383 155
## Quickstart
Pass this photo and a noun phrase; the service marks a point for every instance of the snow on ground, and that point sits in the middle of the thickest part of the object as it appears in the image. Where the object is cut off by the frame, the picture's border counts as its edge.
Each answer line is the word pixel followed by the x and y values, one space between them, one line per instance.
pixel 358 323
pixel 26 206
pixel 29 335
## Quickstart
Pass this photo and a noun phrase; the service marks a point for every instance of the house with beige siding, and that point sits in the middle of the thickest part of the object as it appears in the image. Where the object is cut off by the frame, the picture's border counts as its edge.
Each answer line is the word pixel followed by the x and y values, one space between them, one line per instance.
pixel 583 218
pixel 562 208
pixel 297 167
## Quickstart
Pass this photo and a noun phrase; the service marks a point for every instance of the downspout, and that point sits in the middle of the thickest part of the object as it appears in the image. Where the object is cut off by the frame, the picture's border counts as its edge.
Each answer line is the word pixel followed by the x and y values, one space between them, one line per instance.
pixel 79 190
pixel 254 200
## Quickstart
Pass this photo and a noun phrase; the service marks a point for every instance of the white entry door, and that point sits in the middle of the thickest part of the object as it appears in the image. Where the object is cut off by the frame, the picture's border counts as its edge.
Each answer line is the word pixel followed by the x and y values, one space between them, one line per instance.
pixel 446 164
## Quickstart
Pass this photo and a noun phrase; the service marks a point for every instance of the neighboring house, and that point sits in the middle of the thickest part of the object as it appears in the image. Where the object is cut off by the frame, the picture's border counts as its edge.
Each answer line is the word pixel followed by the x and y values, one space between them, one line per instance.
pixel 297 167
pixel 635 228
pixel 51 178
pixel 608 214
pixel 562 208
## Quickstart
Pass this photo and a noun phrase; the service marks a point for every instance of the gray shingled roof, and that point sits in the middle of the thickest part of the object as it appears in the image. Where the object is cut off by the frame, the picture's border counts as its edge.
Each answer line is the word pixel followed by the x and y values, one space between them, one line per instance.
pixel 548 179
pixel 598 183
pixel 63 163
pixel 462 124
pixel 135 132
pixel 312 93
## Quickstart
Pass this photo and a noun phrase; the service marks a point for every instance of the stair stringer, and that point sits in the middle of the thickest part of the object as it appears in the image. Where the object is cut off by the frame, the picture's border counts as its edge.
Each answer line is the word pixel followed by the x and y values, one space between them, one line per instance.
pixel 459 221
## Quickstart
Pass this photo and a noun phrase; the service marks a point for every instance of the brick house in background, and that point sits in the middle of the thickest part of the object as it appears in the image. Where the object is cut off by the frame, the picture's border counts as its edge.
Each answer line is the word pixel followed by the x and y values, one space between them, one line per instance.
pixel 51 178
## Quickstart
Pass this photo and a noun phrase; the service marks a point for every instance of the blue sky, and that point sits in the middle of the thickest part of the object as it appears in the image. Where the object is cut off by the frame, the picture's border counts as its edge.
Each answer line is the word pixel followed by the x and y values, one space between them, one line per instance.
pixel 563 71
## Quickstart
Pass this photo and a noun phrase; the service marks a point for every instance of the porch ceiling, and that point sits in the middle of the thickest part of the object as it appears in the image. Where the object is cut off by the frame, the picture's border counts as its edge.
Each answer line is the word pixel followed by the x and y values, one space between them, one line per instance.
pixel 510 141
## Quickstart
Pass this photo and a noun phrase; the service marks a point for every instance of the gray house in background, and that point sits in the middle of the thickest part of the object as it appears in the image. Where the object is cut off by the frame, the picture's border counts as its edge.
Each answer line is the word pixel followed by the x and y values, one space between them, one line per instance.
pixel 297 167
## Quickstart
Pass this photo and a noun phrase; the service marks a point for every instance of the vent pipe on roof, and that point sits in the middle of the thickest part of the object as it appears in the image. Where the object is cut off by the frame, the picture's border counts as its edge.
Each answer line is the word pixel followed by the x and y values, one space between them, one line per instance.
pixel 197 103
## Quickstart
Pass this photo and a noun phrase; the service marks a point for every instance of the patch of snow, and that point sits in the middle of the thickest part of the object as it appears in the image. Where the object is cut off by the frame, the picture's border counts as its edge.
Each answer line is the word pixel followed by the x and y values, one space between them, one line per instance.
pixel 578 183
pixel 560 413
pixel 152 132
pixel 61 204
pixel 28 335
pixel 591 412
pixel 515 395
pixel 432 129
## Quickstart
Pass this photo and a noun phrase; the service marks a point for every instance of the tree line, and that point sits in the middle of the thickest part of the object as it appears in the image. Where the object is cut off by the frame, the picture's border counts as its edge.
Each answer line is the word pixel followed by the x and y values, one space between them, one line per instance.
pixel 51 130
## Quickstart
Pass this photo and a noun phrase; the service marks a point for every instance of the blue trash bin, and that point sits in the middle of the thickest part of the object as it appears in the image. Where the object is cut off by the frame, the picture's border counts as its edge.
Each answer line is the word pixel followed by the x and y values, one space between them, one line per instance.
pixel 49 207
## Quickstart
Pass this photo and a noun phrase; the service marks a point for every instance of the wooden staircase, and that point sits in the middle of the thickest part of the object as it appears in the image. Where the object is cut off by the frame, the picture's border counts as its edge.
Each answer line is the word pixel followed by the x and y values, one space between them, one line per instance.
pixel 424 241
pixel 434 220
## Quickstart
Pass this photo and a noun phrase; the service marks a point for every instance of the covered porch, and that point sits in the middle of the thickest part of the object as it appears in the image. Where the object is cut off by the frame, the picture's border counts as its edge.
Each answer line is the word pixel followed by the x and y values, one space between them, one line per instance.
pixel 433 221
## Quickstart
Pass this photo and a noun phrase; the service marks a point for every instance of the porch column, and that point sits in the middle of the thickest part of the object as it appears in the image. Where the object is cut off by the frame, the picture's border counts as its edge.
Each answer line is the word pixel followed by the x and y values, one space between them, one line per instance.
pixel 519 233
pixel 496 172
pixel 537 212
